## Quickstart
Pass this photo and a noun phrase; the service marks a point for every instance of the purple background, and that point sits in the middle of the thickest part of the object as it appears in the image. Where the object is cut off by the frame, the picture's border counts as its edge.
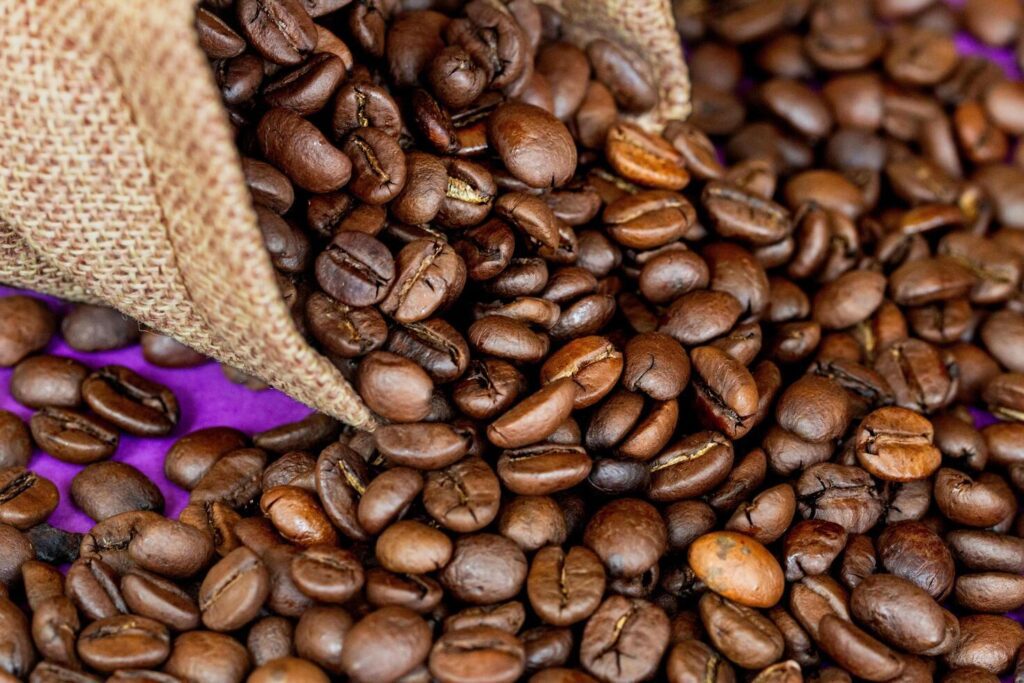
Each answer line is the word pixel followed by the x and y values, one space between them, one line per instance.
pixel 208 399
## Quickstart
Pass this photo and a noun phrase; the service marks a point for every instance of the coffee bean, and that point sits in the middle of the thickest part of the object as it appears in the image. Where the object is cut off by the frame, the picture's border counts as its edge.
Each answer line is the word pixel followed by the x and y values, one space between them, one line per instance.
pixel 124 641
pixel 623 553
pixel 644 159
pixel 914 552
pixel 15 441
pixel 73 436
pixel 26 498
pixel 234 590
pixel 160 599
pixel 742 634
pixel 385 645
pixel 28 326
pixel 535 147
pixel 737 568
pixel 624 639
pixel 192 456
pixel 463 497
pixel 105 489
pixel 131 402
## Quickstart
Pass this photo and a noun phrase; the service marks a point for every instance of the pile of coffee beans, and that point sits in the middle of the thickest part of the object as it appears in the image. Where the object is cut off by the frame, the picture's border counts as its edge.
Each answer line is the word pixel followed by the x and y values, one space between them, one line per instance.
pixel 688 406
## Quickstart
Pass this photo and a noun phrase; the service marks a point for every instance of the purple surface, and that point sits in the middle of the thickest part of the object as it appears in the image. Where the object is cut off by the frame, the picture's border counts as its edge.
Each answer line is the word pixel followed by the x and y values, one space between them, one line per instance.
pixel 206 397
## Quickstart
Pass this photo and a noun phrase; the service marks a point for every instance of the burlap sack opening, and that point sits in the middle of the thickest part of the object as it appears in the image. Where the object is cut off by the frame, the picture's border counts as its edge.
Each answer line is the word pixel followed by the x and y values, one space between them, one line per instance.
pixel 120 182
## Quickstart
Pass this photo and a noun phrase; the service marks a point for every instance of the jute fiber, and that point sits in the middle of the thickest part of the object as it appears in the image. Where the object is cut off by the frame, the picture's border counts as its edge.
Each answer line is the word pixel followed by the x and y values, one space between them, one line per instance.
pixel 120 182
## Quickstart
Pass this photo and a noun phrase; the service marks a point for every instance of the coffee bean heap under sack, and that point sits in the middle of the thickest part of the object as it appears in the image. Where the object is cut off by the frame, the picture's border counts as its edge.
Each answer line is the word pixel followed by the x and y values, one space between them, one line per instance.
pixel 120 181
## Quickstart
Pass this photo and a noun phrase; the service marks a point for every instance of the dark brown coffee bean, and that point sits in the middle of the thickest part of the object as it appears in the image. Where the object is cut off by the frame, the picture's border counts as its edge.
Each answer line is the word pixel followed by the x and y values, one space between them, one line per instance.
pixel 623 554
pixel 300 150
pixel 742 634
pixel 192 456
pixel 385 645
pixel 15 441
pixel 463 497
pixel 625 74
pixel 477 653
pixel 343 330
pixel 429 275
pixel 28 326
pixel 378 165
pixel 842 494
pixel 767 515
pixel 124 641
pixel 857 651
pixel 341 477
pixel 234 590
pixel 497 565
pixel 987 642
pixel 281 30
pixel 26 499
pixel 700 316
pixel 131 402
pixel 105 489
pixel 41 381
pixel 914 552
pixel 327 574
pixel 543 469
pixel 624 639
pixel 691 467
pixel 155 597
pixel 533 144
pixel 202 655
pixel 381 374
pixel 72 436
pixel 535 417
pixel 93 586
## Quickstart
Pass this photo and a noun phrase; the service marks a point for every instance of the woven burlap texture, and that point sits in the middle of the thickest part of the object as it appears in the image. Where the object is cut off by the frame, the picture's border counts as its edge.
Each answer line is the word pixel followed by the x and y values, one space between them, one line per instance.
pixel 120 182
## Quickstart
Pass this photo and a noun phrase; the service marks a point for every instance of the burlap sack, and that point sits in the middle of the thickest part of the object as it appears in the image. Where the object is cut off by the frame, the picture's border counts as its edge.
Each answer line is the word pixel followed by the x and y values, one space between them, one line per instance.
pixel 120 182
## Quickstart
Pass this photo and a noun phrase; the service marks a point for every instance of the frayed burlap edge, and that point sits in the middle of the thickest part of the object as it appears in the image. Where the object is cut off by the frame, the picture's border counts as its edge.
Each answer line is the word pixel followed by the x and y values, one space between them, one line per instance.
pixel 119 172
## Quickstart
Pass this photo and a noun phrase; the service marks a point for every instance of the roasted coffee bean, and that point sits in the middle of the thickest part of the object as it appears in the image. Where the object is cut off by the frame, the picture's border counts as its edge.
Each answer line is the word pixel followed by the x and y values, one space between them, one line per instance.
pixel 160 599
pixel 300 150
pixel 690 467
pixel 645 159
pixel 535 147
pixel 737 568
pixel 624 639
pixel 477 653
pixel 192 456
pixel 73 436
pixel 15 441
pixel 167 352
pixel 234 590
pixel 627 554
pixel 535 417
pixel 385 645
pixel 744 635
pixel 97 328
pixel 857 651
pixel 131 402
pixel 987 642
pixel 26 498
pixel 565 587
pixel 896 444
pixel 105 489
pixel 914 552
pixel 124 642
pixel 463 497
pixel 28 327
pixel 766 517
pixel 41 381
